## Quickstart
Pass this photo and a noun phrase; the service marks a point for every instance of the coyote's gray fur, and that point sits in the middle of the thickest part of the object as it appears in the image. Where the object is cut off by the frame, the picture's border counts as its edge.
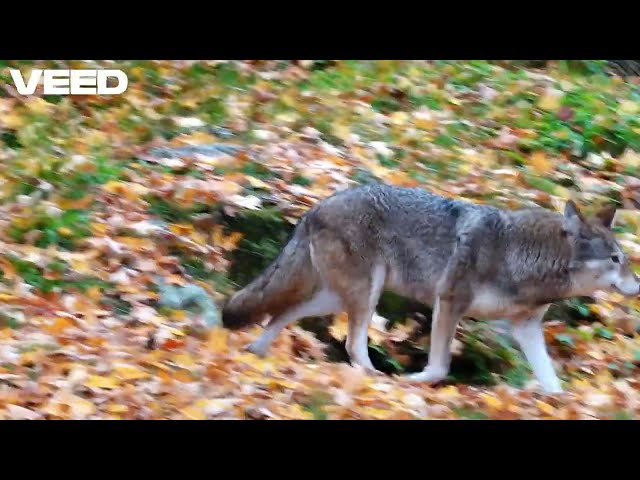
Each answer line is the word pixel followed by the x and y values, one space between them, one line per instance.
pixel 465 260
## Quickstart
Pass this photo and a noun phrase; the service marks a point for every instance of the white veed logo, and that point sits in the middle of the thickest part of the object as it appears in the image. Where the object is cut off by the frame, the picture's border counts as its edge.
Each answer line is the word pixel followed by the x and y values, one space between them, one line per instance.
pixel 71 82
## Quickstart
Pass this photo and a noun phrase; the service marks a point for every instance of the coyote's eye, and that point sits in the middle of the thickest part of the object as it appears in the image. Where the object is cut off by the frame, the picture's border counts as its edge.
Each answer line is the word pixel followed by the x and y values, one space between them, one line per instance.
pixel 615 258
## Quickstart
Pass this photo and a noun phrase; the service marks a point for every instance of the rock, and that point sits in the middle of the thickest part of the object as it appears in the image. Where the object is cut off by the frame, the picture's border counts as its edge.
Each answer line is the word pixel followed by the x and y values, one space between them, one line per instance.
pixel 188 295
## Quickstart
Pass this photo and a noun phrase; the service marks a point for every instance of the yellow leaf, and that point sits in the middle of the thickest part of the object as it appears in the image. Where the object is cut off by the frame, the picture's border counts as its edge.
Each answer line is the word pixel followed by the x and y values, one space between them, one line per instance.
pixel 160 365
pixel 296 412
pixel 629 106
pixel 450 391
pixel 114 187
pixel 11 120
pixel 139 190
pixel 288 117
pixel 426 123
pixel 97 137
pixel 98 381
pixel 184 360
pixel 550 100
pixel 256 182
pixel 399 118
pixel 94 293
pixel 193 413
pixel 65 231
pixel 616 297
pixel 181 229
pixel 580 383
pixel 99 229
pixel 176 332
pixel 377 413
pixel 340 327
pixel 254 361
pixel 117 408
pixel 81 266
pixel 342 132
pixel 492 402
pixel 217 342
pixel 215 406
pixel 129 372
pixel 81 408
pixel 29 358
pixel 545 407
pixel 38 105
pixel 596 355
pixel 289 99
pixel 599 310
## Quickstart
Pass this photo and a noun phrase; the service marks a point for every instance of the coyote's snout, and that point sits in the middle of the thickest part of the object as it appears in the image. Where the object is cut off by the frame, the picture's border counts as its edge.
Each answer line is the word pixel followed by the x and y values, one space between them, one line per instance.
pixel 463 259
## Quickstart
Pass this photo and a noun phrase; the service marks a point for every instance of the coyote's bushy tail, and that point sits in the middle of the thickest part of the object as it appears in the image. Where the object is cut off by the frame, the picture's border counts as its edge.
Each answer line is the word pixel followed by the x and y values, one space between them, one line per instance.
pixel 284 283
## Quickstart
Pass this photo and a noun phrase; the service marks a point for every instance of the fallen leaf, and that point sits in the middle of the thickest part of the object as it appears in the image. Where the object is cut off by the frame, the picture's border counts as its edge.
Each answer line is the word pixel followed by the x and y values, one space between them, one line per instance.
pixel 98 381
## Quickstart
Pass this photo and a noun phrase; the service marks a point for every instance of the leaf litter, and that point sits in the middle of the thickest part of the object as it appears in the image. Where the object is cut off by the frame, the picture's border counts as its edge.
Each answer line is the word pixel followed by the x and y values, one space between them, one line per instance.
pixel 103 199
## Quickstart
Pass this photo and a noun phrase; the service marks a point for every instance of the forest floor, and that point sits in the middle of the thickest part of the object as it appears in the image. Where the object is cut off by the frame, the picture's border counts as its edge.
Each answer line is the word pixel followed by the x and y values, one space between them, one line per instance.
pixel 196 175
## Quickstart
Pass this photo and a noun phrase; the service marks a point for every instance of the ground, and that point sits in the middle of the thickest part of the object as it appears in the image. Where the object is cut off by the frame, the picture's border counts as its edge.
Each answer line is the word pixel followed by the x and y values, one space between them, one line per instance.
pixel 194 178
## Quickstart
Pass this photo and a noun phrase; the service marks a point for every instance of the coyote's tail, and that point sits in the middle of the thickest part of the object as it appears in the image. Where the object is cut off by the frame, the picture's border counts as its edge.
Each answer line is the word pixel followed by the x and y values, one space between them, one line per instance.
pixel 285 282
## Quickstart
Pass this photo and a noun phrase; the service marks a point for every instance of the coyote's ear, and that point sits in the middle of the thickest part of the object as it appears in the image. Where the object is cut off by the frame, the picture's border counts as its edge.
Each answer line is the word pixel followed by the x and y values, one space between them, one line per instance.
pixel 572 218
pixel 607 215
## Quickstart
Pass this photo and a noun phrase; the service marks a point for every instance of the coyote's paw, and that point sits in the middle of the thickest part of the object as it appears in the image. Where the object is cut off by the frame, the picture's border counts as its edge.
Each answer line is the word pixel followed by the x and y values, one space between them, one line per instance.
pixel 372 372
pixel 367 369
pixel 429 375
pixel 257 349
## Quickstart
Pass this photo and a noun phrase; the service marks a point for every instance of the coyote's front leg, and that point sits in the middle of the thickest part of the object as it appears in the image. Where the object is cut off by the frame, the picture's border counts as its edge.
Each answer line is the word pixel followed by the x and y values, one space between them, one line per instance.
pixel 452 302
pixel 529 334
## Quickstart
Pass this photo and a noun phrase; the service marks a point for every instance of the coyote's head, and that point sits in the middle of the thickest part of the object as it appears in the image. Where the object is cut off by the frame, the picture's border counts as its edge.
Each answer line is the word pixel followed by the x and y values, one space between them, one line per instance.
pixel 598 262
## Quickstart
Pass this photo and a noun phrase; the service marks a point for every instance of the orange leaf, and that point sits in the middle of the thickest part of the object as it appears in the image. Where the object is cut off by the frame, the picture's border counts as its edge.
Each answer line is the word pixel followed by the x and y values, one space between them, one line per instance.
pixel 183 376
pixel 8 271
pixel 59 325
pixel 540 163
pixel 545 407
pixel 79 204
pixel 171 344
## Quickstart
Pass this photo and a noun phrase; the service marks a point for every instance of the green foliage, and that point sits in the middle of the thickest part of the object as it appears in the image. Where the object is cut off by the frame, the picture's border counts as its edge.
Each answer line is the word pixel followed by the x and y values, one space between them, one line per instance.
pixel 383 361
pixel 486 356
pixel 62 230
pixel 467 414
pixel 35 276
pixel 172 212
pixel 264 234
pixel 316 405
pixel 197 269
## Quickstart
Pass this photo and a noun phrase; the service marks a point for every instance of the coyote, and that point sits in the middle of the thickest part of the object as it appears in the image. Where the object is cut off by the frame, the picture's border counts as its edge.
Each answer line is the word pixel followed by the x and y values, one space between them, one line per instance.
pixel 462 259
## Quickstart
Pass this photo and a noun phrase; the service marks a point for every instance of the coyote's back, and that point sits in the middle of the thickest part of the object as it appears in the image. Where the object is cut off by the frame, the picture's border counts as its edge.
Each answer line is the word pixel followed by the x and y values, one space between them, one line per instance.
pixel 363 226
